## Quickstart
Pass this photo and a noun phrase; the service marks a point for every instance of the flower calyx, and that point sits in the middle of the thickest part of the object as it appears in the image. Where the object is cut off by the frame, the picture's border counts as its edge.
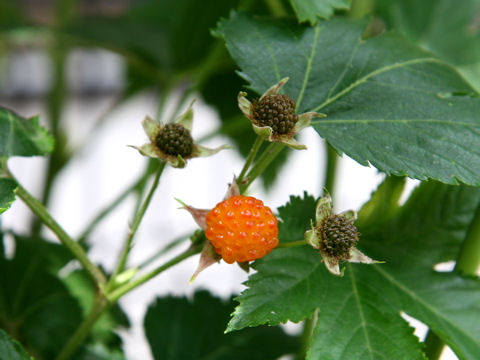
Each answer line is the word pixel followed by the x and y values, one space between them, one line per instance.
pixel 274 116
pixel 335 236
pixel 173 142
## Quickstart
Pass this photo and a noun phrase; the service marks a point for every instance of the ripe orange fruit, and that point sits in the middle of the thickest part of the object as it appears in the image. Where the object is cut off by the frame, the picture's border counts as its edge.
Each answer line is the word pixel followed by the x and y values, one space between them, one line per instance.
pixel 241 229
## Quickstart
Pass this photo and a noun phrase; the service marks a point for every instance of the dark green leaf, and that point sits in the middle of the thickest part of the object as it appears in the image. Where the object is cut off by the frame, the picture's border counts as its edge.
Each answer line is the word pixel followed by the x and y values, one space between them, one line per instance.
pixel 7 193
pixel 178 328
pixel 388 103
pixel 441 26
pixel 359 314
pixel 22 137
pixel 103 332
pixel 35 305
pixel 160 37
pixel 312 10
pixel 11 349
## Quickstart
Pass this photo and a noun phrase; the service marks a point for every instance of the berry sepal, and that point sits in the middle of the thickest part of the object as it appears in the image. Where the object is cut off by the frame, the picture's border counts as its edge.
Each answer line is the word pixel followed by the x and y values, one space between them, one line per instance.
pixel 274 117
pixel 335 236
pixel 173 142
pixel 239 229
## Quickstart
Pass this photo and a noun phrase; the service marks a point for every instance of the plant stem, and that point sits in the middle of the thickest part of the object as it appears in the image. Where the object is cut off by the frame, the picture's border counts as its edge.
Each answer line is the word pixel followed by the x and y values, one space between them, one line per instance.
pixel 292 244
pixel 98 308
pixel 251 156
pixel 265 159
pixel 468 263
pixel 125 288
pixel 308 327
pixel 276 7
pixel 43 214
pixel 331 169
pixel 138 218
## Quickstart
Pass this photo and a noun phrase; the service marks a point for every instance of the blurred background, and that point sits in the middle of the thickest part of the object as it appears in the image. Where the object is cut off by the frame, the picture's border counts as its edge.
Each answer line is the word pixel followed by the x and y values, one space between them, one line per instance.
pixel 92 70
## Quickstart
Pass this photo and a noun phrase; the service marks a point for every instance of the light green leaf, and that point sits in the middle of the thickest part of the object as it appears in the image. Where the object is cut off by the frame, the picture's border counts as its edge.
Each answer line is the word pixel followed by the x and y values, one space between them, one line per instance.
pixel 312 10
pixel 359 314
pixel 11 349
pixel 7 193
pixel 178 329
pixel 383 204
pixel 387 102
pixel 22 137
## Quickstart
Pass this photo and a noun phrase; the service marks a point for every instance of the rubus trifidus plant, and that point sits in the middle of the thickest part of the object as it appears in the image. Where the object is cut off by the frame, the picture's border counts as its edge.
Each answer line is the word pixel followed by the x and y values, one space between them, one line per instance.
pixel 396 95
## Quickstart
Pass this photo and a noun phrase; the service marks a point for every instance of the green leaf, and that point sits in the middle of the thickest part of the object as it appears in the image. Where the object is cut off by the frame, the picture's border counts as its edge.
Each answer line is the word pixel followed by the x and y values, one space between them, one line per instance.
pixel 383 204
pixel 158 37
pixel 359 314
pixel 440 26
pixel 387 102
pixel 178 328
pixel 11 349
pixel 103 334
pixel 22 137
pixel 7 193
pixel 313 10
pixel 34 304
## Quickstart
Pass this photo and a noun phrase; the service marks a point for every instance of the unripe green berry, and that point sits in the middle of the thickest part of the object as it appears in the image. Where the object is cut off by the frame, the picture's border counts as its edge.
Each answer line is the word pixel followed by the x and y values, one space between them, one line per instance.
pixel 338 235
pixel 276 111
pixel 174 139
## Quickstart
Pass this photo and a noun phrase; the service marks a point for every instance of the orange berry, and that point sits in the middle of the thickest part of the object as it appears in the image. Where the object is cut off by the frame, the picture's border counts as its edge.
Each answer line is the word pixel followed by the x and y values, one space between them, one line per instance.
pixel 242 229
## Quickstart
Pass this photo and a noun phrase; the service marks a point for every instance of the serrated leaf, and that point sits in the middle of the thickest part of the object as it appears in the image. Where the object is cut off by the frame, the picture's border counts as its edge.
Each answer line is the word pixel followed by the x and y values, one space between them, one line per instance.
pixel 359 314
pixel 178 328
pixel 313 10
pixel 7 193
pixel 36 304
pixel 11 349
pixel 22 137
pixel 440 26
pixel 387 102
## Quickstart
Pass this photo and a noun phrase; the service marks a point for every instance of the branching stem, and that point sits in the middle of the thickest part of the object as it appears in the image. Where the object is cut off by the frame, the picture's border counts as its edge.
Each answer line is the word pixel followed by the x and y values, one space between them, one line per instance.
pixel 251 156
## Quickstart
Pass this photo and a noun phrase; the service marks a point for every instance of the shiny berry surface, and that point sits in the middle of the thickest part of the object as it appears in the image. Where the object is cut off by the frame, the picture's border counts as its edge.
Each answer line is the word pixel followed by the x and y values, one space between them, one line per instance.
pixel 339 235
pixel 175 140
pixel 276 111
pixel 241 229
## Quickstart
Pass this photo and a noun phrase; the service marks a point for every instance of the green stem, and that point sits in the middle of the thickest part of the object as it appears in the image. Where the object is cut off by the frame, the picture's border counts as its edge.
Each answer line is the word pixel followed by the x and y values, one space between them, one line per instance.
pixel 98 309
pixel 308 327
pixel 125 288
pixel 251 156
pixel 276 7
pixel 267 157
pixel 468 263
pixel 331 169
pixel 433 346
pixel 138 218
pixel 43 214
pixel 292 244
